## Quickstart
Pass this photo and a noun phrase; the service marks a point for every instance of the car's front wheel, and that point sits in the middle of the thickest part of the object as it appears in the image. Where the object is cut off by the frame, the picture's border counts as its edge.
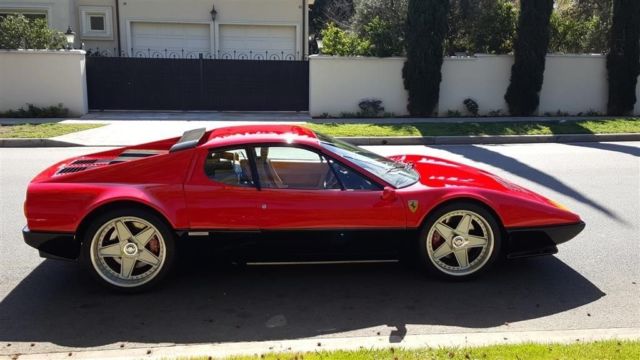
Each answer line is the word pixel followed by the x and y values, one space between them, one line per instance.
pixel 128 249
pixel 459 241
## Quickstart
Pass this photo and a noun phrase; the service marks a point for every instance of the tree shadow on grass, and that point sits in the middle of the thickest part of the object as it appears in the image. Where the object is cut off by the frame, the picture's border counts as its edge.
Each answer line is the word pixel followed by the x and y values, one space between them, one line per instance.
pixel 56 303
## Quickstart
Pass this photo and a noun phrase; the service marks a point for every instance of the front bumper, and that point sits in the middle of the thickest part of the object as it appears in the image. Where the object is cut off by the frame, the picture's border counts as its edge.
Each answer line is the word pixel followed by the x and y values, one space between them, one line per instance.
pixel 60 246
pixel 537 241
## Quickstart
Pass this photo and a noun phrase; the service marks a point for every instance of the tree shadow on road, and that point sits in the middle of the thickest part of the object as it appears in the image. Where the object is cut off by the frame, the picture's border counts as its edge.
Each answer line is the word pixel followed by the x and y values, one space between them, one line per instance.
pixel 624 149
pixel 516 167
pixel 57 303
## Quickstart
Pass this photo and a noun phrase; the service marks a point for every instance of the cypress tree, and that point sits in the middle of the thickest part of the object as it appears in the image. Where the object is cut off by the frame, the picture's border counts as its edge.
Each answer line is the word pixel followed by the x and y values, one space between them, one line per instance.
pixel 426 31
pixel 623 59
pixel 530 51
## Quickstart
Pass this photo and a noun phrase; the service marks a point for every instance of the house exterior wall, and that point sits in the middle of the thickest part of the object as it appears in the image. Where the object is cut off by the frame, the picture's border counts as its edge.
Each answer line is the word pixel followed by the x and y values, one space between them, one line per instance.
pixel 572 83
pixel 245 12
pixel 64 13
pixel 107 44
pixel 59 12
pixel 43 78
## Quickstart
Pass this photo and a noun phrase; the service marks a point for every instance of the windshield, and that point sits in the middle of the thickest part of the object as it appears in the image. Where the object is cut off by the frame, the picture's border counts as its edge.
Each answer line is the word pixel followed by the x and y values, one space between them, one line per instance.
pixel 397 174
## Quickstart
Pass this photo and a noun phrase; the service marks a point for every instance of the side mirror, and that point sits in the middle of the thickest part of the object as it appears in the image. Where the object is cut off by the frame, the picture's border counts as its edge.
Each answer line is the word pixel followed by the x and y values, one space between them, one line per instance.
pixel 388 194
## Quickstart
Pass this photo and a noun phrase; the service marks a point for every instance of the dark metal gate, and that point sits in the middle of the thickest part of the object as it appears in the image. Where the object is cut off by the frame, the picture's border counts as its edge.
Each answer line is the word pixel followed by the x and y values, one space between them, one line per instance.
pixel 130 83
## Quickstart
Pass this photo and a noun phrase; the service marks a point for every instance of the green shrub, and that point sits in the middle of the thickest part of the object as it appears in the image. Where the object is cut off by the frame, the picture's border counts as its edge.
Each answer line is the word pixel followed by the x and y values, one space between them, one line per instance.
pixel 530 50
pixel 32 111
pixel 18 32
pixel 623 64
pixel 383 39
pixel 383 23
pixel 426 30
pixel 571 34
pixel 336 41
pixel 481 26
pixel 472 106
pixel 371 107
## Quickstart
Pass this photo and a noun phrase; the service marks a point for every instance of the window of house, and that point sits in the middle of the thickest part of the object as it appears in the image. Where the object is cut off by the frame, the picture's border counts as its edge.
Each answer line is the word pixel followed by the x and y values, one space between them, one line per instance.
pixel 96 22
pixel 229 167
pixel 282 167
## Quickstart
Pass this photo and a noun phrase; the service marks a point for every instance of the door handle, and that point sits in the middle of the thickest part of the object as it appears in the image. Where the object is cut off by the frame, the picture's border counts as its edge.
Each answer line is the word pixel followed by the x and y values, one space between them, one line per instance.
pixel 263 206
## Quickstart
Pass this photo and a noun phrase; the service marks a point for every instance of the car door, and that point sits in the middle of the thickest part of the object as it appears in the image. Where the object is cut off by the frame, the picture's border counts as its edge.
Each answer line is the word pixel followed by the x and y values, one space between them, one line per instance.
pixel 221 192
pixel 301 189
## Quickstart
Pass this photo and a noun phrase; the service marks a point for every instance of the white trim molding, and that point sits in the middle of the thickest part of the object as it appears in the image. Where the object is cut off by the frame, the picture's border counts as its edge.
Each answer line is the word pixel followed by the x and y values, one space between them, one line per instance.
pixel 86 31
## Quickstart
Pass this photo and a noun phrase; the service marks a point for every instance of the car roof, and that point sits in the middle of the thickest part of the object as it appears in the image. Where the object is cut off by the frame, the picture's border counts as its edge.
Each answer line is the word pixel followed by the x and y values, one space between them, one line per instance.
pixel 245 134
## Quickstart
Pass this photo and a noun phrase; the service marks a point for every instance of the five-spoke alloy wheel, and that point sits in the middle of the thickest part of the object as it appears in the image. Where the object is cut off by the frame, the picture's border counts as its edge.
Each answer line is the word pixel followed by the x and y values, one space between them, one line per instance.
pixel 459 240
pixel 128 250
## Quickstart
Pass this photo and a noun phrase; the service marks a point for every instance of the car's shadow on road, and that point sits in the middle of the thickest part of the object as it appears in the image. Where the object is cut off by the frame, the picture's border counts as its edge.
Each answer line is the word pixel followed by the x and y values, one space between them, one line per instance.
pixel 57 303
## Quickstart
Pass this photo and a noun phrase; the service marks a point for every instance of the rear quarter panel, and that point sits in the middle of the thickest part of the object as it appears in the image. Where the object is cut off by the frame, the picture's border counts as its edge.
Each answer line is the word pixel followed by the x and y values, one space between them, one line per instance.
pixel 59 203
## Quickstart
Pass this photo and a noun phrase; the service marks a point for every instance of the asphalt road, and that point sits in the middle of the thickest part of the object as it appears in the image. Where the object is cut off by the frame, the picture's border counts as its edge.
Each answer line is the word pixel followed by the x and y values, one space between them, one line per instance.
pixel 594 282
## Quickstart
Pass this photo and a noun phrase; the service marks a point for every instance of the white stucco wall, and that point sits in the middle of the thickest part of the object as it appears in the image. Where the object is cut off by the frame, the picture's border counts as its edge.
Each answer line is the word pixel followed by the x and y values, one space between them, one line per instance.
pixel 572 83
pixel 337 84
pixel 43 78
pixel 482 78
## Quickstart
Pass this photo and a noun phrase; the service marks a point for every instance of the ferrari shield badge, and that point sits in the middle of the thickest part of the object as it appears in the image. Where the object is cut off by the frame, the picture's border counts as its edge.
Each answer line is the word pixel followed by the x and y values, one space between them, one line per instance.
pixel 413 205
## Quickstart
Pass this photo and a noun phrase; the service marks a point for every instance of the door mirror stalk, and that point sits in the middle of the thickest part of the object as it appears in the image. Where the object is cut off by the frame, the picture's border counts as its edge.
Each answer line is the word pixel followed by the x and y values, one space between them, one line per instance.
pixel 388 194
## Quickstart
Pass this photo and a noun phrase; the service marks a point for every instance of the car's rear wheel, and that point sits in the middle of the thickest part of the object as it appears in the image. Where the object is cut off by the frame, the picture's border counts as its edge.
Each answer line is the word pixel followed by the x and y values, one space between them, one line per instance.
pixel 460 241
pixel 129 249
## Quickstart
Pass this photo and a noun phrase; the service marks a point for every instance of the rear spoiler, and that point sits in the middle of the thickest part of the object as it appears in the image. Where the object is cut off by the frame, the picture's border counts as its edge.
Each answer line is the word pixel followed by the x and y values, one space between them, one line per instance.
pixel 189 140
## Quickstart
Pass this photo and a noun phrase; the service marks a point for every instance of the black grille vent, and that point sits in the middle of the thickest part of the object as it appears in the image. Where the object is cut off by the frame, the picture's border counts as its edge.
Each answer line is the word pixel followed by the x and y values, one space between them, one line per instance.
pixel 84 161
pixel 68 170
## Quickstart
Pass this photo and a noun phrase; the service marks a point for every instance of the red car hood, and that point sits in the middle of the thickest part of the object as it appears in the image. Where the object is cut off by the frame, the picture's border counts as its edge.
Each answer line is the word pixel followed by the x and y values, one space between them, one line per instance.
pixel 437 172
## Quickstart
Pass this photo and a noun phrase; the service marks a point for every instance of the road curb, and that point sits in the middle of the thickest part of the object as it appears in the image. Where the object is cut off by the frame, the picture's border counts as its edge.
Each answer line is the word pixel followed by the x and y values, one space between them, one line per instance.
pixel 256 348
pixel 30 143
pixel 390 140
pixel 490 139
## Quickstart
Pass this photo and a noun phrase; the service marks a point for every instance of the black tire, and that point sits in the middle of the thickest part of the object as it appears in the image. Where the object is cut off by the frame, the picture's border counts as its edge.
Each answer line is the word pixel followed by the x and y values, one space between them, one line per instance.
pixel 167 235
pixel 484 259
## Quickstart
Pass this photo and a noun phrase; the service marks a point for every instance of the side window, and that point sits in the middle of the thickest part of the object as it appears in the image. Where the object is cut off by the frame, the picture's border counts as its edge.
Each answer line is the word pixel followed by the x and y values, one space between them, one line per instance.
pixel 351 180
pixel 229 167
pixel 282 167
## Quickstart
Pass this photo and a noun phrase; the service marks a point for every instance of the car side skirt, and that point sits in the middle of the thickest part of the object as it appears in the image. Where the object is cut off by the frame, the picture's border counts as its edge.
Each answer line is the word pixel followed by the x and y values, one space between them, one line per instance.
pixel 299 245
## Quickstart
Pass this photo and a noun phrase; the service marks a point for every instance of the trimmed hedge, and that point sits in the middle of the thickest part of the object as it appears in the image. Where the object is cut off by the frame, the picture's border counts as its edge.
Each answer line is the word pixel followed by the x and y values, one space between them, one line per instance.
pixel 623 59
pixel 426 32
pixel 530 51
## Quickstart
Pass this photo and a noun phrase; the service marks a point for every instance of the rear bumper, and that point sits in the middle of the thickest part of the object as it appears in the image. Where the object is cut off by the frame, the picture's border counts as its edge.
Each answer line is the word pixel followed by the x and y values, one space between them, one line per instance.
pixel 60 246
pixel 536 241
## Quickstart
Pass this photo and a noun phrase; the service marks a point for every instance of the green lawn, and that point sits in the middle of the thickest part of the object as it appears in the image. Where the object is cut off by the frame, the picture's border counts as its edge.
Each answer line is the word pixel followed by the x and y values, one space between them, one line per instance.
pixel 577 351
pixel 494 128
pixel 46 130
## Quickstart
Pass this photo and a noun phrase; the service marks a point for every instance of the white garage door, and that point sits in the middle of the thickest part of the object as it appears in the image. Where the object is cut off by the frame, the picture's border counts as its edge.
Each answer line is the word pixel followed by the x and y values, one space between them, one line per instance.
pixel 172 37
pixel 258 42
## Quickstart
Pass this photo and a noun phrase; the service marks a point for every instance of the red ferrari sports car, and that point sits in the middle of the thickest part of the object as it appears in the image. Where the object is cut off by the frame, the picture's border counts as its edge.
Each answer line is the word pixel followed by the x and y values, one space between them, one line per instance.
pixel 280 190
